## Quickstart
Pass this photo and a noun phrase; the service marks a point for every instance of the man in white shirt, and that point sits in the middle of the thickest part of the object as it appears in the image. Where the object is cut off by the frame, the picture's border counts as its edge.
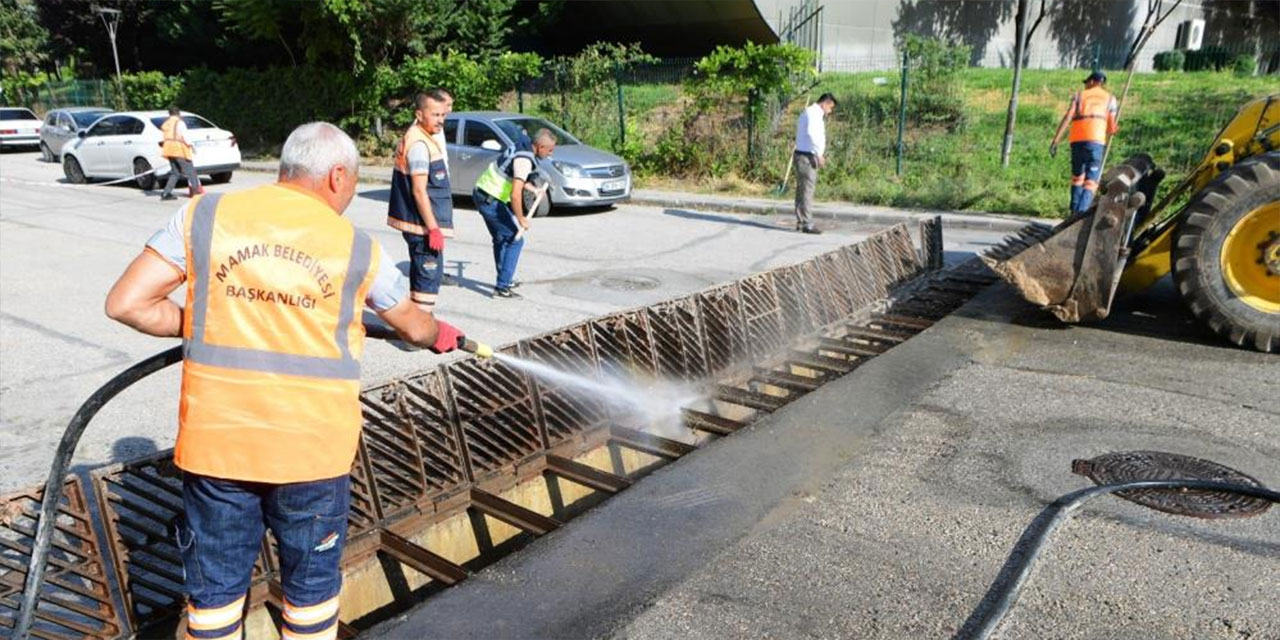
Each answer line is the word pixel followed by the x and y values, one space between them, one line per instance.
pixel 811 145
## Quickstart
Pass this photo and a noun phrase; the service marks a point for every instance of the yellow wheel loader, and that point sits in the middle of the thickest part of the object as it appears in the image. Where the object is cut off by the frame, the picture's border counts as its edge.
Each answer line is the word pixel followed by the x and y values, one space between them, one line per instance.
pixel 1222 246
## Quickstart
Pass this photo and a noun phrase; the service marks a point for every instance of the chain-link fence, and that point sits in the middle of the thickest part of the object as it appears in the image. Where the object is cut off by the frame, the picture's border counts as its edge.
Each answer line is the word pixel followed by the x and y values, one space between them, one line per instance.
pixel 63 93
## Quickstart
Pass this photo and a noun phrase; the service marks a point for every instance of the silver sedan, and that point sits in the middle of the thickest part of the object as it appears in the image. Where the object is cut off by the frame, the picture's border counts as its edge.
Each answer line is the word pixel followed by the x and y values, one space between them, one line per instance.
pixel 579 175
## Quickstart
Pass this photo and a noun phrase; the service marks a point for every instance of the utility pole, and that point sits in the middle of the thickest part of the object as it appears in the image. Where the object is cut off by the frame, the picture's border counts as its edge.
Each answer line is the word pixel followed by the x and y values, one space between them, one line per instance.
pixel 111 18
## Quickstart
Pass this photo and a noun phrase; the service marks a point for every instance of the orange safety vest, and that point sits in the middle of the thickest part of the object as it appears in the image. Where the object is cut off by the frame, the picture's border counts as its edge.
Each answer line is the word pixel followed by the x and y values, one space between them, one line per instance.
pixel 402 208
pixel 1093 115
pixel 173 146
pixel 272 337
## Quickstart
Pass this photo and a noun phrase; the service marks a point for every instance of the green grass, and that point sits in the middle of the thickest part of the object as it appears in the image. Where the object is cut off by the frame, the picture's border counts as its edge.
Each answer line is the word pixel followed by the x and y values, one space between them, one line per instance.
pixel 1171 116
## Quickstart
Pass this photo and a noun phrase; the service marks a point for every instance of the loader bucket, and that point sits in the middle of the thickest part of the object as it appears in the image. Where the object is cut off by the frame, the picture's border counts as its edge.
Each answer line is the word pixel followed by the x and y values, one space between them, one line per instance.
pixel 1073 269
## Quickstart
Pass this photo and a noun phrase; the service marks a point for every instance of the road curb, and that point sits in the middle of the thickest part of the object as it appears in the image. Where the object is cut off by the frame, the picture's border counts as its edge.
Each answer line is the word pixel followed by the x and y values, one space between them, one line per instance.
pixel 845 211
pixel 842 211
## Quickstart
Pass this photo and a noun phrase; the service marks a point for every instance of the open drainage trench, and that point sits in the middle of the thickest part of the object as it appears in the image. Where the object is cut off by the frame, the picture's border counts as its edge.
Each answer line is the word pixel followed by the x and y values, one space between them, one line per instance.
pixel 462 465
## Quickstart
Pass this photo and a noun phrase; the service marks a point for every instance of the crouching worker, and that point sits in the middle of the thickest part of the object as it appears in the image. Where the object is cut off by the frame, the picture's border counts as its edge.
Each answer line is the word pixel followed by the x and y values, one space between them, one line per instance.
pixel 269 413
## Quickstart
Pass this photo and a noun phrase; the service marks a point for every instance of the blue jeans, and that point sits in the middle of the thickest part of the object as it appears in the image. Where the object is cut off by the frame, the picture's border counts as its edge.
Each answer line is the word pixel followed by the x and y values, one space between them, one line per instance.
pixel 221 535
pixel 1086 168
pixel 501 222
pixel 426 270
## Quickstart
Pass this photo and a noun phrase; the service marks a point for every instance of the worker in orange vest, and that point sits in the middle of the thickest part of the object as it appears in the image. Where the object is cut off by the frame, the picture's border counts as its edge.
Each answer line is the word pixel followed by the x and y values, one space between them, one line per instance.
pixel 269 416
pixel 175 148
pixel 421 201
pixel 1092 118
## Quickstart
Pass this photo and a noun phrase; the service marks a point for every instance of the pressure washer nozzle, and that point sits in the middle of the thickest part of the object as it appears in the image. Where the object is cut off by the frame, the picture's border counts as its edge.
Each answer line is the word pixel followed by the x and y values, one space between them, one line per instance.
pixel 480 349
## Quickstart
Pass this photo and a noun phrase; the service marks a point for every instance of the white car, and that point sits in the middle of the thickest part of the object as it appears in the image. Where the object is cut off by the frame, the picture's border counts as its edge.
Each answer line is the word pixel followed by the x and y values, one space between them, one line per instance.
pixel 120 145
pixel 19 127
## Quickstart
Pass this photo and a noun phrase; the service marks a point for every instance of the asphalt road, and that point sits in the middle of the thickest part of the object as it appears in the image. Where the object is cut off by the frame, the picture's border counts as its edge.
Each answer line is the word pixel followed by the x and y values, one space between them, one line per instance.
pixel 62 246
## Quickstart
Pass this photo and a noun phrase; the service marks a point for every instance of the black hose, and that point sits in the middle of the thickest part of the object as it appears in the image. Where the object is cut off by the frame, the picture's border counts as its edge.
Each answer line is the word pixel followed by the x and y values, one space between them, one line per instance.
pixel 61 460
pixel 1003 593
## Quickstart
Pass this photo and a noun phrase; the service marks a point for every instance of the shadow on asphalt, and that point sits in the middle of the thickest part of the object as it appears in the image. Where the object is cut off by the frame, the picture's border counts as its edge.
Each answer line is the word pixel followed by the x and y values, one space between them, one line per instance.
pixel 1158 312
pixel 722 219
pixel 384 195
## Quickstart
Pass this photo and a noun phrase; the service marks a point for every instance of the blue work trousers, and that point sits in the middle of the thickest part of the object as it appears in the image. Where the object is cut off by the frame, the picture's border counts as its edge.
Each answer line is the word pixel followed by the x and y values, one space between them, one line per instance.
pixel 503 228
pixel 220 538
pixel 1086 168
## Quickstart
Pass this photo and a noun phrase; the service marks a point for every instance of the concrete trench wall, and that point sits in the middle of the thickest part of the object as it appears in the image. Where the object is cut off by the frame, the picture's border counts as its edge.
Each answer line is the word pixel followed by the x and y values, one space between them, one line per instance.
pixel 459 464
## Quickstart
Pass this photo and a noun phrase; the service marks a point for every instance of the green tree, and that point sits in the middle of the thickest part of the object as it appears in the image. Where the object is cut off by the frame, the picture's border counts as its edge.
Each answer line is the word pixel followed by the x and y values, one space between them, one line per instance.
pixel 24 40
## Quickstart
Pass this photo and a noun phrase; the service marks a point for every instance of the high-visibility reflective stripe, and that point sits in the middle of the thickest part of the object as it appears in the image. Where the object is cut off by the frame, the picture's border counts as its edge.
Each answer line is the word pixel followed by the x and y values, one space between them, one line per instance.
pixel 327 634
pixel 197 350
pixel 215 618
pixel 422 296
pixel 1091 185
pixel 314 614
pixel 1077 180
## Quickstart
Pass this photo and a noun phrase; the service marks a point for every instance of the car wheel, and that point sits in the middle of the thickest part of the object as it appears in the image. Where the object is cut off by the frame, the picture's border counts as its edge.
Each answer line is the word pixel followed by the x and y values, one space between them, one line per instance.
pixel 143 176
pixel 221 178
pixel 71 169
pixel 46 153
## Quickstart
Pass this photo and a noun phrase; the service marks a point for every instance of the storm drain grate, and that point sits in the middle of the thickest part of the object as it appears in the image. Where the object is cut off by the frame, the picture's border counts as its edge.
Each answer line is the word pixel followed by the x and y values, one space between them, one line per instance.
pixel 1134 466
pixel 75 601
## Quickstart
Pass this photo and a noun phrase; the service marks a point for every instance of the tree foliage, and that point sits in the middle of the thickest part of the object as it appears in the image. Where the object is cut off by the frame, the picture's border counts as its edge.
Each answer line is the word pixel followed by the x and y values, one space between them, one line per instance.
pixel 22 38
pixel 774 69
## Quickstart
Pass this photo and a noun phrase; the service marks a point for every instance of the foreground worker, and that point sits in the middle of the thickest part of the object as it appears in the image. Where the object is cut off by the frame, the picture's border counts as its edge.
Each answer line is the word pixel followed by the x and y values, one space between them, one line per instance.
pixel 175 148
pixel 270 414
pixel 810 156
pixel 499 198
pixel 1091 115
pixel 421 203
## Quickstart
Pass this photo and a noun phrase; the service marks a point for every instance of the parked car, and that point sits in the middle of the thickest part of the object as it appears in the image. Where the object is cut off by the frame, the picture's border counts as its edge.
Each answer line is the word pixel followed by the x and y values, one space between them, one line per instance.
pixel 578 175
pixel 61 126
pixel 19 127
pixel 125 144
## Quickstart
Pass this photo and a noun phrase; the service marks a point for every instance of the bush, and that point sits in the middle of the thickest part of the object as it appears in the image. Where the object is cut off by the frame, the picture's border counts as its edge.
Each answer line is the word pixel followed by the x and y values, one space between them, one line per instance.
pixel 1244 65
pixel 1208 59
pixel 933 93
pixel 147 90
pixel 1172 60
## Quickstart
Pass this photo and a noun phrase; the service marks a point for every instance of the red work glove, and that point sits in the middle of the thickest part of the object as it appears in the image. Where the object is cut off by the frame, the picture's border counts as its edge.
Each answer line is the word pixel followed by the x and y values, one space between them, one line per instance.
pixel 435 239
pixel 448 337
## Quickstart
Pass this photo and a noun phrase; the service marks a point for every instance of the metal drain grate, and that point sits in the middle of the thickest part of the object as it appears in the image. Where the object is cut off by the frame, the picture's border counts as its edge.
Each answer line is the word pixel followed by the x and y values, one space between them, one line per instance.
pixel 75 600
pixel 1132 466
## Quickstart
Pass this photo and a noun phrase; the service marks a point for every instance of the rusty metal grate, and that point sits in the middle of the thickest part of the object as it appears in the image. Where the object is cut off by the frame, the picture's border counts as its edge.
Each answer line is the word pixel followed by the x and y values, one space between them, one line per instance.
pixel 931 249
pixel 793 300
pixel 1133 466
pixel 75 599
pixel 724 326
pixel 675 330
pixel 623 346
pixel 566 412
pixel 495 409
pixel 762 313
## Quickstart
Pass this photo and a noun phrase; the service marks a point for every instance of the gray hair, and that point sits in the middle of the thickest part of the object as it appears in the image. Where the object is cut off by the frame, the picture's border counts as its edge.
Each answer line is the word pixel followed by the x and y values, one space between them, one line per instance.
pixel 544 136
pixel 314 148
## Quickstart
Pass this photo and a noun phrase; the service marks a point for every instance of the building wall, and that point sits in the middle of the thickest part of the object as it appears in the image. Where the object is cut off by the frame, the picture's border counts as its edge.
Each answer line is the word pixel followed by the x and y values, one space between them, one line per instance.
pixel 860 34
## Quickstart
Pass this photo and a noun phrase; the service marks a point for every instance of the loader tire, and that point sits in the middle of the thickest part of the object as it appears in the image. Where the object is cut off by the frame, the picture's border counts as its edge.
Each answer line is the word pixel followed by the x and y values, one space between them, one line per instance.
pixel 1226 254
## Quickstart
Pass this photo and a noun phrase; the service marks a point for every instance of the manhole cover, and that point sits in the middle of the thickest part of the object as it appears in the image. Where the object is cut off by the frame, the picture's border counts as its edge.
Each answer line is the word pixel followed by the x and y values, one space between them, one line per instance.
pixel 627 282
pixel 1135 466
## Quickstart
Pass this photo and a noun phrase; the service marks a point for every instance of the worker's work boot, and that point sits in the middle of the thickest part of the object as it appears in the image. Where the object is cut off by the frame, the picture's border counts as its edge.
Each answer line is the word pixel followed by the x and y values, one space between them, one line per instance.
pixel 811 230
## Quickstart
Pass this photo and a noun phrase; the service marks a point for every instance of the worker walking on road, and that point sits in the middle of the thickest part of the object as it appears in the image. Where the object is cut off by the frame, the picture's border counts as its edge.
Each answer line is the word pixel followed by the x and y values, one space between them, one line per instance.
pixel 421 204
pixel 1091 115
pixel 499 197
pixel 811 147
pixel 175 148
pixel 269 416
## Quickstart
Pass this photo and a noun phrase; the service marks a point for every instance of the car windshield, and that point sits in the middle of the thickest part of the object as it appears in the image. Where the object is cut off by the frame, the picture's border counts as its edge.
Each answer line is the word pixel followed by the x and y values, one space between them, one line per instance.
pixel 513 127
pixel 17 114
pixel 86 118
pixel 193 122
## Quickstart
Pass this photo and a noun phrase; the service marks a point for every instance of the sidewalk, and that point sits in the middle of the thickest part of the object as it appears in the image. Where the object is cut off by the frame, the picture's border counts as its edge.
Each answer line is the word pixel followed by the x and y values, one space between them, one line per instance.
pixel 847 211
